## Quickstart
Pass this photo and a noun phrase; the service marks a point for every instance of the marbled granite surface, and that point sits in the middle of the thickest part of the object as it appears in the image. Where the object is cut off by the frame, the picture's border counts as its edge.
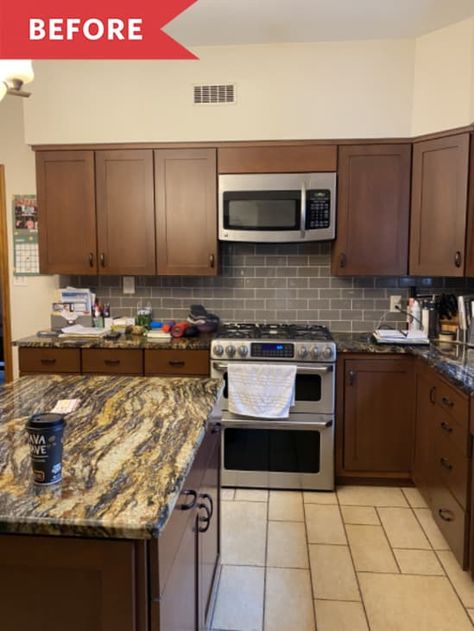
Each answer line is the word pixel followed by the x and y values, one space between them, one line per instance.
pixel 453 361
pixel 127 451
pixel 201 342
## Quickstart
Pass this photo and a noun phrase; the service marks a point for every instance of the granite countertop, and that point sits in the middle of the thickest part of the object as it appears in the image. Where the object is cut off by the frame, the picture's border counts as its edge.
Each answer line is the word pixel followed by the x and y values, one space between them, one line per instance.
pixel 453 361
pixel 201 342
pixel 127 451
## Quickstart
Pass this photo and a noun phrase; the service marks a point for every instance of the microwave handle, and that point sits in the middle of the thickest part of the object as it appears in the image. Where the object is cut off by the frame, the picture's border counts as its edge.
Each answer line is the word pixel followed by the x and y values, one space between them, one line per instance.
pixel 303 211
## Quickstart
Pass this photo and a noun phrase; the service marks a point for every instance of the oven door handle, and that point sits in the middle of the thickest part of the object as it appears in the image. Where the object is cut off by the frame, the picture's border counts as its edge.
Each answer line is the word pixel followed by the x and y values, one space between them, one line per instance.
pixel 303 211
pixel 300 370
pixel 283 424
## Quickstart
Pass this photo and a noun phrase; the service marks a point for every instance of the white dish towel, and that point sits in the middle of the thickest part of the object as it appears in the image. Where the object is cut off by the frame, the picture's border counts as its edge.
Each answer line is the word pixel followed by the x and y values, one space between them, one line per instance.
pixel 261 390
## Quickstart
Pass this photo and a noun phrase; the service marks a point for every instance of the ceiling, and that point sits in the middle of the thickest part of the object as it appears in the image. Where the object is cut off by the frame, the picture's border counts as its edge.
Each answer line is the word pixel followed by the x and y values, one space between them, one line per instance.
pixel 233 22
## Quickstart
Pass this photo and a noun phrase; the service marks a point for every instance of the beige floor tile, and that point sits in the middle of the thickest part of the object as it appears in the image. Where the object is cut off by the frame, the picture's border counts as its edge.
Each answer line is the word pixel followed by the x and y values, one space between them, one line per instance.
pixel 431 529
pixel 332 573
pixel 412 603
pixel 371 496
pixel 364 515
pixel 471 615
pixel 251 495
pixel 414 497
pixel 239 603
pixel 419 562
pixel 227 494
pixel 288 600
pixel 244 527
pixel 403 529
pixel 286 506
pixel 370 549
pixel 338 616
pixel 324 524
pixel 287 544
pixel 319 497
pixel 461 580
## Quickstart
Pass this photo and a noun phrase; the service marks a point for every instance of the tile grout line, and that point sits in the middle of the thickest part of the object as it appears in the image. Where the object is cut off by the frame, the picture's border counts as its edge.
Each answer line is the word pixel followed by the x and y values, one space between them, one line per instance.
pixel 267 517
pixel 452 584
pixel 313 595
pixel 352 561
pixel 388 540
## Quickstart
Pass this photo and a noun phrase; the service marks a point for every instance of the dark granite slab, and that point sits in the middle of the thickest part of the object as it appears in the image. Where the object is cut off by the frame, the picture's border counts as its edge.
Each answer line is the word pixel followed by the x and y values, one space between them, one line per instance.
pixel 127 451
pixel 201 342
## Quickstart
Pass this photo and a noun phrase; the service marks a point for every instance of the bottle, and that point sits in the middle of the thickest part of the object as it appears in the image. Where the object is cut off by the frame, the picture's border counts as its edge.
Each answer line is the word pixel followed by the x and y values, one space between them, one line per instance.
pixel 415 313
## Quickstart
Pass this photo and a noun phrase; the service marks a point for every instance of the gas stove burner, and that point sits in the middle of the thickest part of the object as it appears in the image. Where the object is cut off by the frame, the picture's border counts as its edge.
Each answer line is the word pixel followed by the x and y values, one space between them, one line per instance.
pixel 244 330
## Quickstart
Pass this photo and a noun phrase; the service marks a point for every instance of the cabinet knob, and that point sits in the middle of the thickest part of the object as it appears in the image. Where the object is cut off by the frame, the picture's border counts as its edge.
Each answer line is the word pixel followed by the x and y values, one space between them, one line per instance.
pixel 91 259
pixel 458 259
pixel 206 520
pixel 444 462
pixel 102 259
pixel 212 260
pixel 447 402
pixel 446 427
pixel 351 377
pixel 342 260
pixel 446 514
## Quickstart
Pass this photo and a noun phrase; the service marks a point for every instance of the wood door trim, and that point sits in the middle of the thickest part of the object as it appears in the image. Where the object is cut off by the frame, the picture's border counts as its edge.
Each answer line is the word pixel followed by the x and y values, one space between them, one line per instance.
pixel 5 280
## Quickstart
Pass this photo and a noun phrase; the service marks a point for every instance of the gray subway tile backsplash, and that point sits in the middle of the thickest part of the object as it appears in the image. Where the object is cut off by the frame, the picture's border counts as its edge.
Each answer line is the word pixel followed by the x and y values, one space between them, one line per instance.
pixel 272 283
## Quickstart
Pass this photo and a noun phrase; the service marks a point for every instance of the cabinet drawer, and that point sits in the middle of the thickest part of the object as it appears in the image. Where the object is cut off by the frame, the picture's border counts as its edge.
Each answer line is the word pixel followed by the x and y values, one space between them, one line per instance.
pixel 114 361
pixel 49 360
pixel 451 400
pixel 451 520
pixel 450 430
pixel 451 467
pixel 176 362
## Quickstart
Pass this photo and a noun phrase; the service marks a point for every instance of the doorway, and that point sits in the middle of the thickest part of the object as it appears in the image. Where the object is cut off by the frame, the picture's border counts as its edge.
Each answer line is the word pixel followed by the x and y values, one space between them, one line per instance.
pixel 6 365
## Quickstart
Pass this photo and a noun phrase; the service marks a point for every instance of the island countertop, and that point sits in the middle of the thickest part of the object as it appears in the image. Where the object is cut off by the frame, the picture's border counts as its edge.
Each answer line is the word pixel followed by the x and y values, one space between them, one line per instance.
pixel 127 451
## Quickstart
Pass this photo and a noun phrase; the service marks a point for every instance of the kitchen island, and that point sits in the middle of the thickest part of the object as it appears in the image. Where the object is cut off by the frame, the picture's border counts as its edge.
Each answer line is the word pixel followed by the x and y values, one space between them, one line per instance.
pixel 129 540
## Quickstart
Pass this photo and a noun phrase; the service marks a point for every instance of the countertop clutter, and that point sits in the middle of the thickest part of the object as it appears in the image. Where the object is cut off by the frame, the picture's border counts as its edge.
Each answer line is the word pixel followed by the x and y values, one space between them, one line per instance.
pixel 128 449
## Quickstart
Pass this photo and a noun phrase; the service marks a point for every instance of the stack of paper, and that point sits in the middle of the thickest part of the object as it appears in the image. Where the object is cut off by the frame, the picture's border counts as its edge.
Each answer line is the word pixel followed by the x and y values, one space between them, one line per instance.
pixel 394 336
pixel 77 330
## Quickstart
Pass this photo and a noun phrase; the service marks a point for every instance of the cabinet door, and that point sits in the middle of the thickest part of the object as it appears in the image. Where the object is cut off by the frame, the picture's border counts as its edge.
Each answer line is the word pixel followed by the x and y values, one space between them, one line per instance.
pixel 125 212
pixel 372 210
pixel 423 461
pixel 439 206
pixel 186 204
pixel 378 415
pixel 209 527
pixel 66 206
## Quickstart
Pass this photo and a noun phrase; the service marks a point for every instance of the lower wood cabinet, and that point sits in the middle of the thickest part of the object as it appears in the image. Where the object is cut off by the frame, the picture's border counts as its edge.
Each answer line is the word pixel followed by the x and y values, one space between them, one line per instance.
pixel 176 362
pixel 49 360
pixel 113 361
pixel 375 416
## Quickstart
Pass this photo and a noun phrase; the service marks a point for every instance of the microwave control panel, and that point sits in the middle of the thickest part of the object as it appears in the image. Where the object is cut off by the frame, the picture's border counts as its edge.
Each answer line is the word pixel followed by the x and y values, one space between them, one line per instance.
pixel 318 209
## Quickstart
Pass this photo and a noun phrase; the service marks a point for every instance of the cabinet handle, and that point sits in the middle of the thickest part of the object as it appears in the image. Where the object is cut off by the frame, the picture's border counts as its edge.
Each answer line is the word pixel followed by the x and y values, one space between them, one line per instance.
pixel 48 361
pixel 445 463
pixel 446 514
pixel 458 259
pixel 433 394
pixel 102 259
pixel 351 377
pixel 447 402
pixel 446 426
pixel 112 362
pixel 91 259
pixel 176 363
pixel 342 260
pixel 206 496
pixel 212 260
pixel 193 495
pixel 204 520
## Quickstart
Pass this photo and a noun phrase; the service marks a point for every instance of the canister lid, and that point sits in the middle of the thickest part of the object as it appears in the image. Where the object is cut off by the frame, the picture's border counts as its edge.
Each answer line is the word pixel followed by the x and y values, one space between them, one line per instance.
pixel 45 420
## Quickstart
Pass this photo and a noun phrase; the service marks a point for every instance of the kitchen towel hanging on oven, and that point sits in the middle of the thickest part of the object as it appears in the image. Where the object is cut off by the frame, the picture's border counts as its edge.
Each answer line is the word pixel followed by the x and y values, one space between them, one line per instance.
pixel 261 390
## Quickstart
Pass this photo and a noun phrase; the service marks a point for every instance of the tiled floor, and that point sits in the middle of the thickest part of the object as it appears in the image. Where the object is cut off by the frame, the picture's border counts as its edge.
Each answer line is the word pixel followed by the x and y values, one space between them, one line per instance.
pixel 361 559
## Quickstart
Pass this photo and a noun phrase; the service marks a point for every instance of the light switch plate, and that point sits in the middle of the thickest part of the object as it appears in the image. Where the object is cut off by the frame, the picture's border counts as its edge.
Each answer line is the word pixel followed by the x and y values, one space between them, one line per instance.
pixel 129 284
pixel 20 281
pixel 395 301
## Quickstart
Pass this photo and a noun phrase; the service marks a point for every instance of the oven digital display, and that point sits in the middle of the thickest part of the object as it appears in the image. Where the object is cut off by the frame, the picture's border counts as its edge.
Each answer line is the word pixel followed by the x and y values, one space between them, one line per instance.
pixel 272 350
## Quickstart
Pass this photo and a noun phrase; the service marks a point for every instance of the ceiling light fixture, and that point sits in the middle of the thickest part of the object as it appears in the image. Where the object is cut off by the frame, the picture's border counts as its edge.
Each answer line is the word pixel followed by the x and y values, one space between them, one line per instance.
pixel 14 73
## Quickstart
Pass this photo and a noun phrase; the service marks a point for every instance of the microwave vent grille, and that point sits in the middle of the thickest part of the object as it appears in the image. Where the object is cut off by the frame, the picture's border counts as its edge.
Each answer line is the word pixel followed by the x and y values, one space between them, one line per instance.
pixel 214 94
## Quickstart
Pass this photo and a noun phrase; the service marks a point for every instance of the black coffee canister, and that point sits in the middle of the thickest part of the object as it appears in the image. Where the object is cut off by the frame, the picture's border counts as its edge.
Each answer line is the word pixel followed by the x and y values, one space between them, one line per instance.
pixel 45 438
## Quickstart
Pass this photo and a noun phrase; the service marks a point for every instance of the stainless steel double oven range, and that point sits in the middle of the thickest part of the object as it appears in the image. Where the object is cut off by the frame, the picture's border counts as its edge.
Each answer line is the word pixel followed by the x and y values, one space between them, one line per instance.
pixel 292 453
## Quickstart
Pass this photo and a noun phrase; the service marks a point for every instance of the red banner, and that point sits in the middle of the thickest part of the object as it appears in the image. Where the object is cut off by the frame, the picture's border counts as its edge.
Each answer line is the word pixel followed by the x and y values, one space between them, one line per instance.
pixel 90 29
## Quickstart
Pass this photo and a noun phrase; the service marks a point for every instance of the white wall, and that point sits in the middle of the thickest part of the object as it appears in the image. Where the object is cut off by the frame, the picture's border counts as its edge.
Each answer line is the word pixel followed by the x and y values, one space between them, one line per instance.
pixel 321 90
pixel 443 93
pixel 30 305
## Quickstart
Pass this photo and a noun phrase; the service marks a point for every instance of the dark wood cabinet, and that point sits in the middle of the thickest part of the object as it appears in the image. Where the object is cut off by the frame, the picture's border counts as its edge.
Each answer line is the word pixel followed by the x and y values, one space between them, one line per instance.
pixel 186 212
pixel 423 462
pixel 66 212
pixel 125 212
pixel 49 360
pixel 373 207
pixel 377 417
pixel 285 158
pixel 439 206
pixel 176 362
pixel 112 361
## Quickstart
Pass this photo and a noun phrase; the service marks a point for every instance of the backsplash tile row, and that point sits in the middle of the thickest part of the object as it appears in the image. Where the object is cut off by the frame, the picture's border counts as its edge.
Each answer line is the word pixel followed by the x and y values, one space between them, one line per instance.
pixel 270 283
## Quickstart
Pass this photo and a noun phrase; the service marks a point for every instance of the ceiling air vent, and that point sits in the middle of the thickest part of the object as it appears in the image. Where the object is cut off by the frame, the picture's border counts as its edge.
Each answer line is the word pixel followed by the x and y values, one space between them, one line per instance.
pixel 214 94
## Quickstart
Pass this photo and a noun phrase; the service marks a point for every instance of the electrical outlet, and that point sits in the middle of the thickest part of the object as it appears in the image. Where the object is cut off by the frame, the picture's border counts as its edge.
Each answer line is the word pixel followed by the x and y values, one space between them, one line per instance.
pixel 395 301
pixel 129 285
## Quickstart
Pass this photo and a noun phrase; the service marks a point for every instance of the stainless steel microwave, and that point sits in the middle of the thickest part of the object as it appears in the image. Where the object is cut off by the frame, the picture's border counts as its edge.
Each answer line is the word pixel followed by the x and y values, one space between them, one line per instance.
pixel 277 207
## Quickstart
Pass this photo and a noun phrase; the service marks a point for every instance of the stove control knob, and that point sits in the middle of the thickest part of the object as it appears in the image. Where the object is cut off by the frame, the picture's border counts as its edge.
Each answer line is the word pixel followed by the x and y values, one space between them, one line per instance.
pixel 327 352
pixel 303 351
pixel 316 352
pixel 230 350
pixel 243 350
pixel 218 350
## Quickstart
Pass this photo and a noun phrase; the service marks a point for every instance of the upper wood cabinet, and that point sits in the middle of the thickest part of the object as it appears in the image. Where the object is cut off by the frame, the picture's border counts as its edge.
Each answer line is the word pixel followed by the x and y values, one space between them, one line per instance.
pixel 125 212
pixel 66 202
pixel 439 206
pixel 186 212
pixel 277 159
pixel 373 207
